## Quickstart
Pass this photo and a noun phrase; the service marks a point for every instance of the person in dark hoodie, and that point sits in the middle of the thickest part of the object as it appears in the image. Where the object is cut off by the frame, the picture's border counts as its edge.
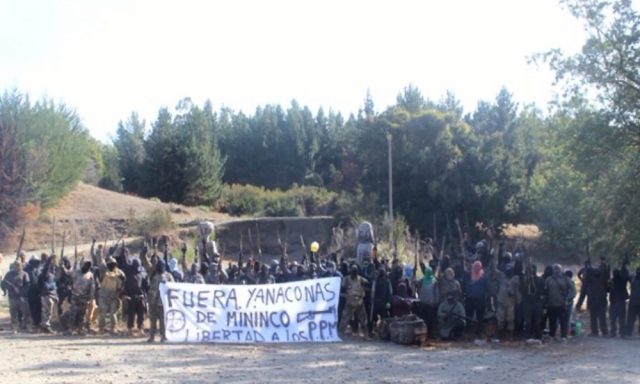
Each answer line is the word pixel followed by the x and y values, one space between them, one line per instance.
pixel 597 279
pixel 618 301
pixel 533 299
pixel 265 276
pixel 63 284
pixel 382 294
pixel 33 294
pixel 48 290
pixel 558 289
pixel 158 273
pixel 135 286
pixel 16 284
pixel 634 303
pixel 82 293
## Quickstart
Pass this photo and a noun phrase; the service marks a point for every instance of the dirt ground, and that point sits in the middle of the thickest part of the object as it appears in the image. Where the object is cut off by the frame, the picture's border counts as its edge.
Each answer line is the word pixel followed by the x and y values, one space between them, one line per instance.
pixel 56 359
pixel 36 358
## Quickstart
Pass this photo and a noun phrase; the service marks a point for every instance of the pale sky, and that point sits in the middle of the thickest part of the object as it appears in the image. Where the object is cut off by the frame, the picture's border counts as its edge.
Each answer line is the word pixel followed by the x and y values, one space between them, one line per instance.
pixel 111 57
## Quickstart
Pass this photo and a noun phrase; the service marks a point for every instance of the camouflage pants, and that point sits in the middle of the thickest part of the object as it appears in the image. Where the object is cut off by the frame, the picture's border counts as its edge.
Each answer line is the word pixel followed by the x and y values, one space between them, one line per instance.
pixel 108 304
pixel 48 305
pixel 347 316
pixel 506 312
pixel 73 318
pixel 20 313
pixel 156 315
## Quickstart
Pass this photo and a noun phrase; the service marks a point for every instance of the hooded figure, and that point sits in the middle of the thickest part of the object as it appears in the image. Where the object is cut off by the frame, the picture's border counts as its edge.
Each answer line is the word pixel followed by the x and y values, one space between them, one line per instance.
pixel 157 270
pixel 618 301
pixel 82 294
pixel 354 288
pixel 382 299
pixel 509 296
pixel 558 289
pixel 429 299
pixel 16 283
pixel 449 285
pixel 111 286
pixel 401 302
pixel 451 318
pixel 136 285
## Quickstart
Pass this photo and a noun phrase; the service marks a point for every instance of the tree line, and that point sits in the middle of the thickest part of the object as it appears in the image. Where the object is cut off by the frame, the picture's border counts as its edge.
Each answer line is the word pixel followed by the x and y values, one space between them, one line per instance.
pixel 572 169
pixel 44 150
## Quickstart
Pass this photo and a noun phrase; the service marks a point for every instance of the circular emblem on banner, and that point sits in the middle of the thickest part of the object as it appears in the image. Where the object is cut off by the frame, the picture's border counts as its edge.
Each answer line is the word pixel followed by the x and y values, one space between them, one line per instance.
pixel 175 320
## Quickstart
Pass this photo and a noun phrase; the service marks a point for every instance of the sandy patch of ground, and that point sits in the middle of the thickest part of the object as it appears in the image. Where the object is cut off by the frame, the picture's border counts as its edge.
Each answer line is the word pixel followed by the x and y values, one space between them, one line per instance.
pixel 55 359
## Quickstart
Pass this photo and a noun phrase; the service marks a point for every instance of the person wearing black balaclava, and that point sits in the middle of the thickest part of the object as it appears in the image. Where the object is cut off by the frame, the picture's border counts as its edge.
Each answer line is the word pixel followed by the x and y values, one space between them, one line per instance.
pixel 509 296
pixel 597 280
pixel 618 302
pixel 558 289
pixel 16 284
pixel 382 295
pixel 451 318
pixel 634 303
pixel 158 275
pixel 134 291
pixel 265 276
pixel 533 297
pixel 111 285
pixel 354 289
pixel 135 285
pixel 33 294
pixel 396 275
pixel 82 293
pixel 48 290
pixel 191 274
pixel 63 283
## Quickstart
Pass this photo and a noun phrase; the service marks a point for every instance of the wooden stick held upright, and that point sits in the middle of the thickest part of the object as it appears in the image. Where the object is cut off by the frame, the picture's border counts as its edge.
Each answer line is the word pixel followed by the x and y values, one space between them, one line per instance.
pixel 24 231
pixel 461 238
pixel 435 230
pixel 258 240
pixel 53 236
pixel 75 245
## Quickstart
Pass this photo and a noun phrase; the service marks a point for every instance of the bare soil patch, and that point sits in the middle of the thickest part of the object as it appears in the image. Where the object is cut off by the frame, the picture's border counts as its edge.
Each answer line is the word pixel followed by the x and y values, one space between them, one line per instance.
pixel 102 214
pixel 55 359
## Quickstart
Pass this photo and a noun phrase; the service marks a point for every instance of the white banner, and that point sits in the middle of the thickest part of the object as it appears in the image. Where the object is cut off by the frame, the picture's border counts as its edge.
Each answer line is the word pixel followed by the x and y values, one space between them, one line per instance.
pixel 302 311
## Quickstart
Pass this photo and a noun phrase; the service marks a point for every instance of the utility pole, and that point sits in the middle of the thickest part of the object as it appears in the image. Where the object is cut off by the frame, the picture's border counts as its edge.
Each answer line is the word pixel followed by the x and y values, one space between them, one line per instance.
pixel 390 176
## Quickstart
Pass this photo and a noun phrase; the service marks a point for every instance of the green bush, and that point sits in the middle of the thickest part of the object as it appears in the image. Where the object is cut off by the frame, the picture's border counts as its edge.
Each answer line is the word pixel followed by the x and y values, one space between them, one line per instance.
pixel 283 206
pixel 152 224
pixel 242 199
pixel 298 201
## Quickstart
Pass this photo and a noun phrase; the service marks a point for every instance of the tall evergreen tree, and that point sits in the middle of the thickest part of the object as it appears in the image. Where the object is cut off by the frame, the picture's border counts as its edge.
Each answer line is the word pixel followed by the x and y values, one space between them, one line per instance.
pixel 129 144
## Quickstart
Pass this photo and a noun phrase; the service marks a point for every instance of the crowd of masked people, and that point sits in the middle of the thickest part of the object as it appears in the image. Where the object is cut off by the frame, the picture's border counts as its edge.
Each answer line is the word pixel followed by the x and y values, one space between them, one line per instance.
pixel 489 293
pixel 112 284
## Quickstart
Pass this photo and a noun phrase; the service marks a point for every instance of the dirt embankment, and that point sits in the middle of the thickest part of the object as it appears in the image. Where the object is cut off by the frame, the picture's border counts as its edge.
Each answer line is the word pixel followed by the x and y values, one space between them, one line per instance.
pixel 103 214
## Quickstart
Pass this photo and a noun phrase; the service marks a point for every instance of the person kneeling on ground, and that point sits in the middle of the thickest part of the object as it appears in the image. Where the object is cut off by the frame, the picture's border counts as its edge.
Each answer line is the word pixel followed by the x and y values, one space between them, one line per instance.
pixel 451 318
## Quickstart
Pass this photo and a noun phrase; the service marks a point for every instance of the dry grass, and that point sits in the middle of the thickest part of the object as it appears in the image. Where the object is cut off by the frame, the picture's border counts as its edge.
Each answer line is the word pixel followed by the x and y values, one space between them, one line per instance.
pixel 103 214
pixel 527 232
